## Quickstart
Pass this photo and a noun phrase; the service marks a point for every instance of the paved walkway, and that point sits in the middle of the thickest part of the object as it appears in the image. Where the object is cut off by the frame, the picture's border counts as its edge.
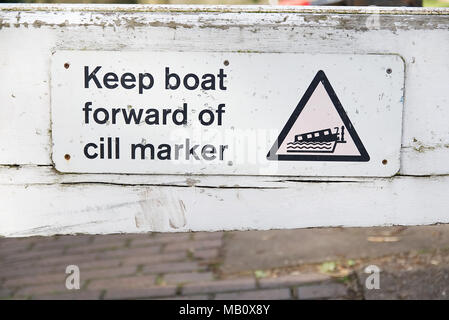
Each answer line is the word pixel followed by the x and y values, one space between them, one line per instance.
pixel 289 264
pixel 142 267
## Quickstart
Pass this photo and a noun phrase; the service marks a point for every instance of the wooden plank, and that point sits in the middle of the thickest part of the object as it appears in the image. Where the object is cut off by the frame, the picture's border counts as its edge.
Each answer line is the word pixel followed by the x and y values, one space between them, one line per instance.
pixel 409 32
pixel 107 208
pixel 38 200
pixel 45 175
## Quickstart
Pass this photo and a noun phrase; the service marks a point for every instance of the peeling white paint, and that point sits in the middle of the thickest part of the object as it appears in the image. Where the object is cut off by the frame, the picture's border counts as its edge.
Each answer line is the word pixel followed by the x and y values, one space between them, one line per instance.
pixel 36 200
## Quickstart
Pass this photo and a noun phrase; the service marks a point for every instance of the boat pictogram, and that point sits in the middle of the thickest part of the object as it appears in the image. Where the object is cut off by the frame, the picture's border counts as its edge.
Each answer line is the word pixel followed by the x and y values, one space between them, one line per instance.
pixel 321 141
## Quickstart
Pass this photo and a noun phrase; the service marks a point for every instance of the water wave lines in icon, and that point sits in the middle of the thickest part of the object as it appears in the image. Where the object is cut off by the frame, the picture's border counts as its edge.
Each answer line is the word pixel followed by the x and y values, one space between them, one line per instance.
pixel 311 147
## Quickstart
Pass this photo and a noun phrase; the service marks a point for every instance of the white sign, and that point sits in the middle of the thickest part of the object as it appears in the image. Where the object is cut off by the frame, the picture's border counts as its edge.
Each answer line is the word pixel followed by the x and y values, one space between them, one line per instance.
pixel 227 113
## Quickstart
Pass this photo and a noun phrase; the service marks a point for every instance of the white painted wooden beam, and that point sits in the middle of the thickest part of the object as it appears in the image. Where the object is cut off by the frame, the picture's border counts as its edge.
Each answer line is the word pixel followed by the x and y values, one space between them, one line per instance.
pixel 37 200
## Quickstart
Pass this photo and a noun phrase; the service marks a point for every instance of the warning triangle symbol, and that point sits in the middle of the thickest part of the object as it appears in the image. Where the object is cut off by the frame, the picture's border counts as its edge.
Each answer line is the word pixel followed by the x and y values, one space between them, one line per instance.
pixel 319 129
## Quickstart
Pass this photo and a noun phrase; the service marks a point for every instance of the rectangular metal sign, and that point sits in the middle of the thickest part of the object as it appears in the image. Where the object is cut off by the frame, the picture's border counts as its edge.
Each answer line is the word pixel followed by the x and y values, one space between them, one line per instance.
pixel 286 114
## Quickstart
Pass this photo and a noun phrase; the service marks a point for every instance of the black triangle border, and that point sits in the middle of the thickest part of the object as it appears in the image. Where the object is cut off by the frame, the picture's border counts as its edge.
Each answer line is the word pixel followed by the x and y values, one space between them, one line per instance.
pixel 320 77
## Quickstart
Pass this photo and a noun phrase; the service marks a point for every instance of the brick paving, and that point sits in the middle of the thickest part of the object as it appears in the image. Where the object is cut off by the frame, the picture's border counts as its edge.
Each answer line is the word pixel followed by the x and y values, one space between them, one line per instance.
pixel 149 266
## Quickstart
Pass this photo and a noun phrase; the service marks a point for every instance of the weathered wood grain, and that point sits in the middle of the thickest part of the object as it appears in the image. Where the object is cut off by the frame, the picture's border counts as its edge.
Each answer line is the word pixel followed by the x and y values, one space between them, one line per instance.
pixel 420 36
pixel 43 209
pixel 38 200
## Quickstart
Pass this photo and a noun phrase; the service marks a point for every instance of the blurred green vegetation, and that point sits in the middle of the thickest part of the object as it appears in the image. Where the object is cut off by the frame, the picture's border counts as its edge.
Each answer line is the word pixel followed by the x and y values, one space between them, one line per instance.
pixel 436 3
